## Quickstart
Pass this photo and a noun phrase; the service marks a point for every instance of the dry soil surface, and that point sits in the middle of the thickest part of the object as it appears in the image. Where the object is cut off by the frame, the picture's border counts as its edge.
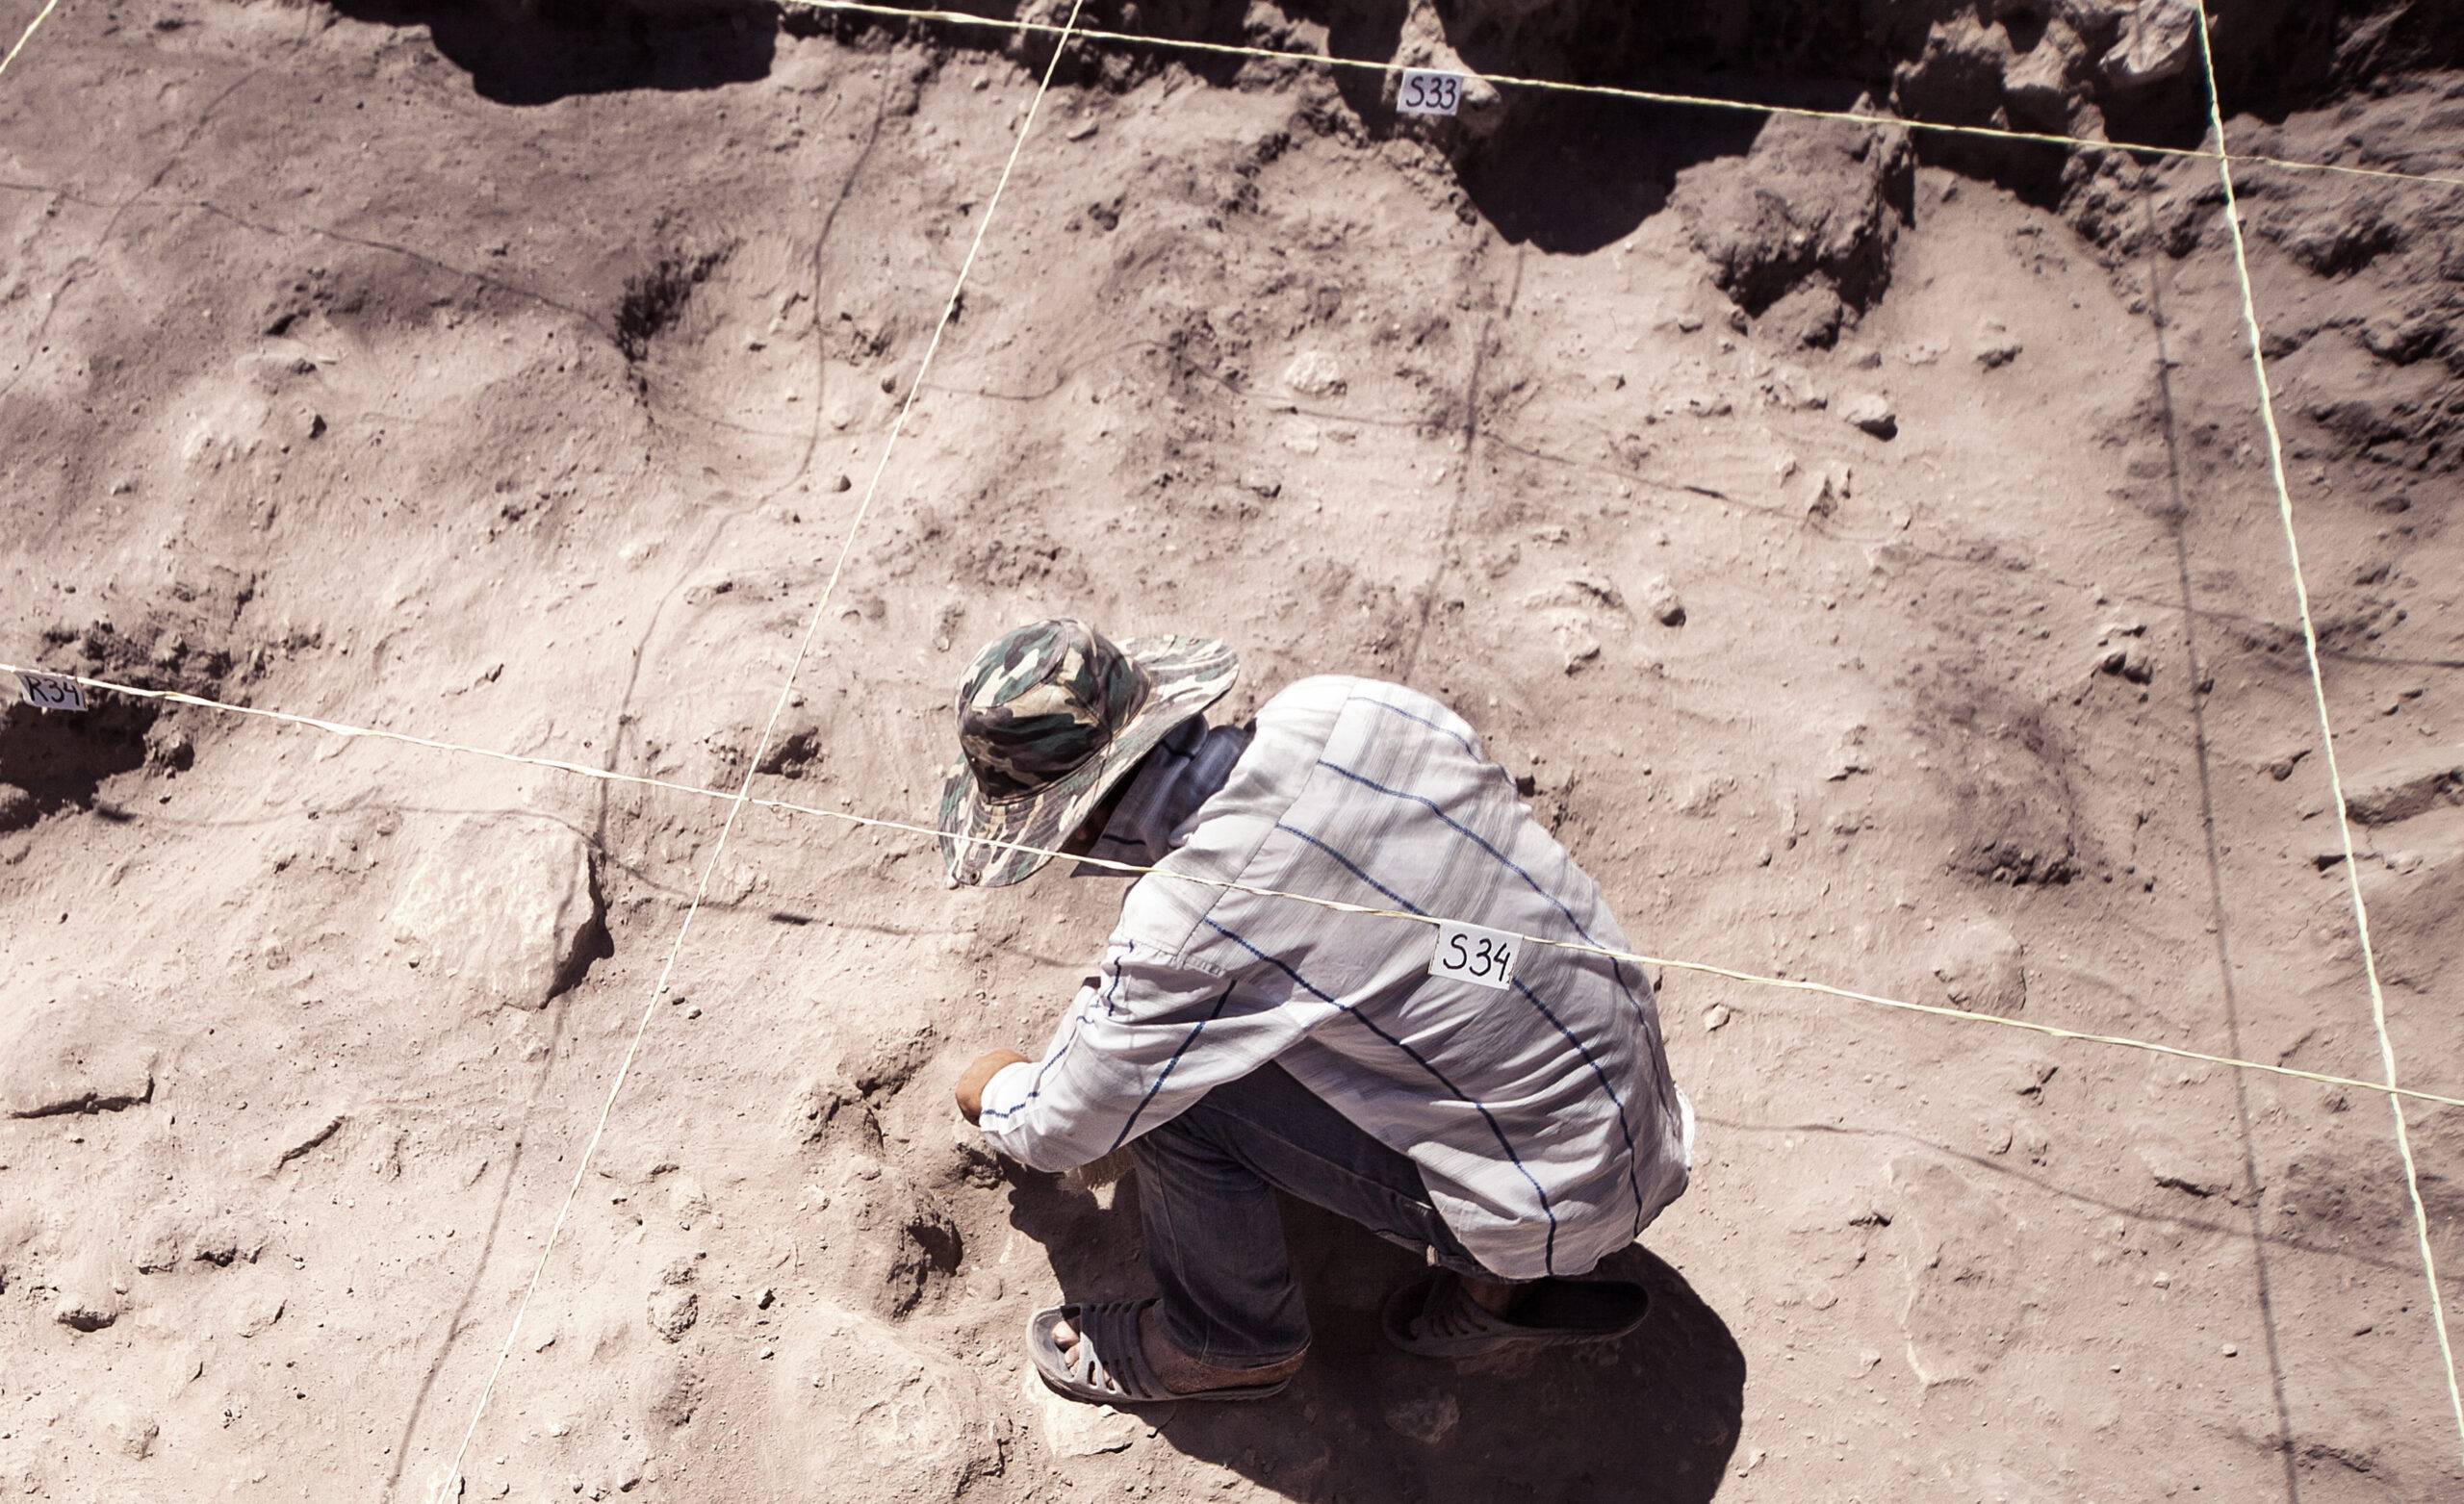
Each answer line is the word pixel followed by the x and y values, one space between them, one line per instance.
pixel 1869 559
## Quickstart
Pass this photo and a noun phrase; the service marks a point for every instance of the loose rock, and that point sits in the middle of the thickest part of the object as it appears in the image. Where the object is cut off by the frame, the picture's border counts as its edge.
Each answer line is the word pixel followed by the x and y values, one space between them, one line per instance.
pixel 2406 785
pixel 2158 39
pixel 89 1312
pixel 1995 347
pixel 1313 374
pixel 1659 599
pixel 1871 413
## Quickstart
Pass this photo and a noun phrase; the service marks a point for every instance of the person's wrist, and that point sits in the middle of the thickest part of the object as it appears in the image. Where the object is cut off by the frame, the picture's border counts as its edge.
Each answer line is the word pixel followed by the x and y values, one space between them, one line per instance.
pixel 978 1075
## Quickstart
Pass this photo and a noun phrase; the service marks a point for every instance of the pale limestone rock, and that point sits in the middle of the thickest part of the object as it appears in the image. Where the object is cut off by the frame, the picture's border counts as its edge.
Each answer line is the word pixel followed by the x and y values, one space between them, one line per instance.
pixel 2158 40
pixel 500 911
pixel 131 1432
pixel 2407 784
pixel 1871 412
pixel 1313 374
pixel 1982 968
pixel 1970 1301
pixel 74 1053
pixel 911 1421
pixel 1072 1429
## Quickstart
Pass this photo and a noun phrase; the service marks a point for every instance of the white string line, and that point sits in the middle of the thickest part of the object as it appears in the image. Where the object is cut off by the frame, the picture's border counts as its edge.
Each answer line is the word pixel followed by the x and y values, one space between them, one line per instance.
pixel 1135 869
pixel 28 35
pixel 1607 91
pixel 447 1486
pixel 2326 726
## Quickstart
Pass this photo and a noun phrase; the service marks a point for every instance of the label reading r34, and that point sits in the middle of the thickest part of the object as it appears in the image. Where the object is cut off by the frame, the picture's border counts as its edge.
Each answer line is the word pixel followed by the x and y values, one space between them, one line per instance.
pixel 51 691
pixel 1468 952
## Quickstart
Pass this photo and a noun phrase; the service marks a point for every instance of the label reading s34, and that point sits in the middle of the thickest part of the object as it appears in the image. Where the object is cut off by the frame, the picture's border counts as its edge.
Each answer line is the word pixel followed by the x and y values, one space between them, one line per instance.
pixel 1468 952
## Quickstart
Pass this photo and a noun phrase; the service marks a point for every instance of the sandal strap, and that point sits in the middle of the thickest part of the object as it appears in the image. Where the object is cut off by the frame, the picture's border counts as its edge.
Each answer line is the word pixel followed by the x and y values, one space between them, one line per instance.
pixel 1452 1311
pixel 1111 1354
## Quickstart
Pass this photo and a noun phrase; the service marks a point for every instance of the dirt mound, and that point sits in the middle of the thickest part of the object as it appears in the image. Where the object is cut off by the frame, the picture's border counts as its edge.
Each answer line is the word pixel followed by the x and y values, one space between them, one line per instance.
pixel 1805 224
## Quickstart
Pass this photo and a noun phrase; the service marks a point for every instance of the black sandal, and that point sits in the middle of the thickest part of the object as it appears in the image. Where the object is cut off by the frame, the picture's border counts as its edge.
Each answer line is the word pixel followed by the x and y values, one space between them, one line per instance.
pixel 1109 1365
pixel 1435 1317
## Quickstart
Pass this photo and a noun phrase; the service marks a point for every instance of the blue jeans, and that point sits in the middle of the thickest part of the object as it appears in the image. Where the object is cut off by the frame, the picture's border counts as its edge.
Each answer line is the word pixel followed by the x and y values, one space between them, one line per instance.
pixel 1206 1185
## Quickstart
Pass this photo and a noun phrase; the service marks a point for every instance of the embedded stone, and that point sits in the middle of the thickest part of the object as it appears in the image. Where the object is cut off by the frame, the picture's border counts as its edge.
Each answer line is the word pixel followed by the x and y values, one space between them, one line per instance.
pixel 503 911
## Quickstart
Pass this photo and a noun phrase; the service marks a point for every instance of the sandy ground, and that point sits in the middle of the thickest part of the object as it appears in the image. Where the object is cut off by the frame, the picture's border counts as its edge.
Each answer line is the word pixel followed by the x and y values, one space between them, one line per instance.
pixel 337 377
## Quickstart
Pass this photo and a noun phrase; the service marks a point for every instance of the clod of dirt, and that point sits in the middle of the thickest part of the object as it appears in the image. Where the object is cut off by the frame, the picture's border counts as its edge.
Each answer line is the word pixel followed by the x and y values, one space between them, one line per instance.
pixel 225 1243
pixel 161 1240
pixel 1074 1430
pixel 1427 1420
pixel 2174 1167
pixel 1995 347
pixel 133 1433
pixel 673 1311
pixel 85 1313
pixel 2013 814
pixel 928 1250
pixel 1578 646
pixel 1313 374
pixel 795 750
pixel 655 299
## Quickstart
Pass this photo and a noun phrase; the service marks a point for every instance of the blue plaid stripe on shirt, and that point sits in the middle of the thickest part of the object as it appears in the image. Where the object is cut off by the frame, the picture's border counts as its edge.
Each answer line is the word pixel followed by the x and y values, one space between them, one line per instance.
pixel 1542 1117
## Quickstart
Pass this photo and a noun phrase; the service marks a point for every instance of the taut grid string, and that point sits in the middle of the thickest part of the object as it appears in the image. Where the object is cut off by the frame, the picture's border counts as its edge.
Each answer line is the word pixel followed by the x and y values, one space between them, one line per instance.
pixel 2326 726
pixel 1607 91
pixel 1135 869
pixel 449 1485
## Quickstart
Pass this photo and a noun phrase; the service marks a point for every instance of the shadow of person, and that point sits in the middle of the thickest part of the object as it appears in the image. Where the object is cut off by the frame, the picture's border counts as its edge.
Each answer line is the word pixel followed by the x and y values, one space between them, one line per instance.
pixel 1651 1419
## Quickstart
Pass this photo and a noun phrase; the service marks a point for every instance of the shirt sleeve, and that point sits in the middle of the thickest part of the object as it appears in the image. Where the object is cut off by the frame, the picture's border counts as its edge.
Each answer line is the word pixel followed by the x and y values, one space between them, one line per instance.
pixel 1147 1037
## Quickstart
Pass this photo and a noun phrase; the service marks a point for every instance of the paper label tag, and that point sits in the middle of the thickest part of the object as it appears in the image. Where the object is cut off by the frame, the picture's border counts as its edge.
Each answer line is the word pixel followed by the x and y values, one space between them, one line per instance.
pixel 51 692
pixel 1468 952
pixel 1429 91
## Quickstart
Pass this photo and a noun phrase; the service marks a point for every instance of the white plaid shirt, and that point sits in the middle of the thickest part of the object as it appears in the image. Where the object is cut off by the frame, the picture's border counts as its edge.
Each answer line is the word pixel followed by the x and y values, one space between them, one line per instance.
pixel 1542 1117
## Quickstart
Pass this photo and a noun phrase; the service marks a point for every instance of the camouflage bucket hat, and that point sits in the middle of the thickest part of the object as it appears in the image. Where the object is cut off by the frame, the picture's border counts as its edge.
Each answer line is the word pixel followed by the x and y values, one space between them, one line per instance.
pixel 1050 717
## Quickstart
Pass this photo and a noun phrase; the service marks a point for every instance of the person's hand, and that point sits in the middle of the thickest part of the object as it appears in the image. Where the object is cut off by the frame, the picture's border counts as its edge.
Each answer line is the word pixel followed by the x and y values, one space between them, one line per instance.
pixel 978 1075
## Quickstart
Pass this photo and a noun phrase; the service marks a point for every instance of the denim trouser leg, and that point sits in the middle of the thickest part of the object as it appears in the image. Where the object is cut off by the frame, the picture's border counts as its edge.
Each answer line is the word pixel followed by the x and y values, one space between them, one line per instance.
pixel 1206 1184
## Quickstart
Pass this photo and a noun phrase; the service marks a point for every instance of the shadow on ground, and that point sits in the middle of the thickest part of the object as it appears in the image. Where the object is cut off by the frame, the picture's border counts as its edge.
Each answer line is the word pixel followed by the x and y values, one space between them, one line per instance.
pixel 536 52
pixel 1650 1420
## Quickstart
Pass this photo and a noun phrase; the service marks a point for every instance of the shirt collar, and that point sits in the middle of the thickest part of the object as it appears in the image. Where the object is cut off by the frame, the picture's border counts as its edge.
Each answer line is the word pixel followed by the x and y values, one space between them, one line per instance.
pixel 1159 811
